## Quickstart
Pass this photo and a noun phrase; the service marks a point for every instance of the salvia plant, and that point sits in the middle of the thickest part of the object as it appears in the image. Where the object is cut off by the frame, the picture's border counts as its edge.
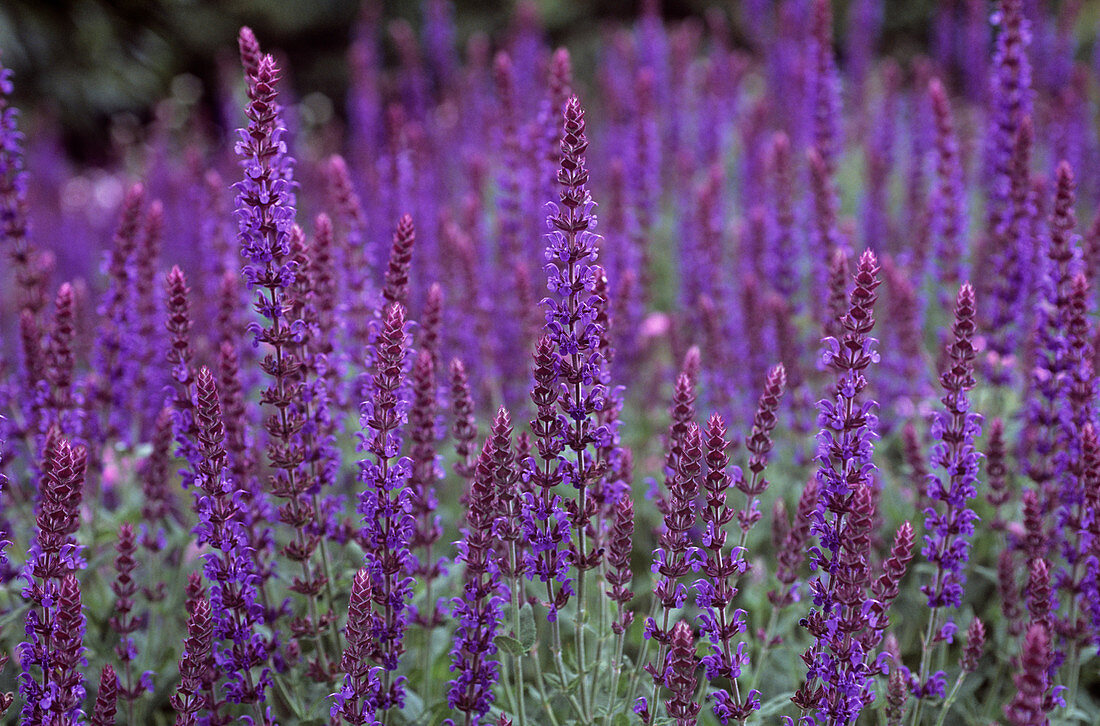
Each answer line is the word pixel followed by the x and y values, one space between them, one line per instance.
pixel 726 377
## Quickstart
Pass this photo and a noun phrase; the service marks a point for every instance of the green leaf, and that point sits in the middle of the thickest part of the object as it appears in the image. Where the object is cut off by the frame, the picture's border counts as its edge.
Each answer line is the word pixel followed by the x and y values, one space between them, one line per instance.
pixel 527 631
pixel 509 645
pixel 620 719
pixel 774 705
pixel 414 707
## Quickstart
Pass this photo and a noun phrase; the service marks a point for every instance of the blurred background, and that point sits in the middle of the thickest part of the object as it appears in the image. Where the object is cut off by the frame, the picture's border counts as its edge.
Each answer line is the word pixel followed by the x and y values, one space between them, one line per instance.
pixel 93 68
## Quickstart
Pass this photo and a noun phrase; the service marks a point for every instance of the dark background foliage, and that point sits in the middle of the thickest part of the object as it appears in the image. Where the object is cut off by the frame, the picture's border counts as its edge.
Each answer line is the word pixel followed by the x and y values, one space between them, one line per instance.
pixel 94 64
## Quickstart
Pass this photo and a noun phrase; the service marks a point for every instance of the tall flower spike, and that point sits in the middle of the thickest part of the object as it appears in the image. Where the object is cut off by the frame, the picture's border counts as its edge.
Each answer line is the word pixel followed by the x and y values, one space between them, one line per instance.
pixel 546 530
pixel 572 310
pixel 480 608
pixel 54 593
pixel 721 568
pixel 123 621
pixel 837 684
pixel 386 501
pixel 230 565
pixel 949 522
pixel 673 558
pixel 947 543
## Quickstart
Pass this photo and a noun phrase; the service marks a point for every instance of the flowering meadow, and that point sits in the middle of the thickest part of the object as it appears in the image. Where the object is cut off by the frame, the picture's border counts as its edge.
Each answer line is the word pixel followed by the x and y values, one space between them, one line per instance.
pixel 715 373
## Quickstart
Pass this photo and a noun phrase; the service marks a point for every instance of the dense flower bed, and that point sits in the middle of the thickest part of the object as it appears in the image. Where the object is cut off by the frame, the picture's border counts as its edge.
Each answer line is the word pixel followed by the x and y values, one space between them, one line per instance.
pixel 429 437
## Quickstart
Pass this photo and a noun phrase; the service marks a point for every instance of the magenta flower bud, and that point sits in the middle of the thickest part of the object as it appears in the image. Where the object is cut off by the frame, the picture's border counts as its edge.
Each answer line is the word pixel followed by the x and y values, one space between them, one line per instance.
pixel 189 698
pixel 106 700
pixel 395 290
pixel 1034 698
pixel 975 645
pixel 679 676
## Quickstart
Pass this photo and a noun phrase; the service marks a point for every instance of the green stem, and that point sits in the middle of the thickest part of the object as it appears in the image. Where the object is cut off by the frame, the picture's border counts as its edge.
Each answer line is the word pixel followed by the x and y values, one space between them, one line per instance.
pixel 639 667
pixel 617 670
pixel 555 651
pixel 519 709
pixel 582 615
pixel 769 633
pixel 950 698
pixel 542 688
pixel 925 658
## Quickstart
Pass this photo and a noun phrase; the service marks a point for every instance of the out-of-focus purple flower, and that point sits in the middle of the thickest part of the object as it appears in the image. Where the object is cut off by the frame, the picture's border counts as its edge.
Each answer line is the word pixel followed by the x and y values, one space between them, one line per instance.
pixel 975 645
pixel 463 426
pixel 1007 152
pixel 1034 697
pixel 619 574
pixel 996 471
pixel 426 470
pixel 148 379
pixel 115 339
pixel 791 552
pixel 948 199
pixel 122 620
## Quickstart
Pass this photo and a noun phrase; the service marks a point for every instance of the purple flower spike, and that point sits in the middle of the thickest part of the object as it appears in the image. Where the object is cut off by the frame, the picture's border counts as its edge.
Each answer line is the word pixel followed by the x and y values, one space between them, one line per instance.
pixel 357 700
pixel 679 676
pixel 386 502
pixel 947 543
pixel 189 698
pixel 106 700
pixel 1034 698
pixel 54 623
pixel 545 523
pixel 480 609
pixel 837 684
pixel 230 567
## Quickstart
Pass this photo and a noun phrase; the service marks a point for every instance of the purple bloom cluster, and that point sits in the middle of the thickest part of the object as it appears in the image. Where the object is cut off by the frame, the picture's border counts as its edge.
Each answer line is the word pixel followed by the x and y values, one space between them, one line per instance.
pixel 731 150
pixel 949 531
pixel 386 503
pixel 837 684
pixel 54 622
pixel 231 569
pixel 480 609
